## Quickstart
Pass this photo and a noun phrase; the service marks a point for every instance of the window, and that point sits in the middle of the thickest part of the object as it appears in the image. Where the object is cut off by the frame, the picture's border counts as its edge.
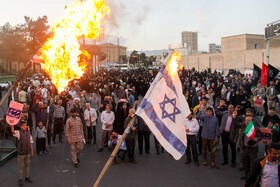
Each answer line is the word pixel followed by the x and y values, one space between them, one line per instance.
pixel 256 46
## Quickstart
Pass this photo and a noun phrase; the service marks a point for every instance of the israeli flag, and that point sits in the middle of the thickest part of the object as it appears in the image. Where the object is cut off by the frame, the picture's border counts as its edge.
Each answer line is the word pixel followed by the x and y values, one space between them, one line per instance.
pixel 164 108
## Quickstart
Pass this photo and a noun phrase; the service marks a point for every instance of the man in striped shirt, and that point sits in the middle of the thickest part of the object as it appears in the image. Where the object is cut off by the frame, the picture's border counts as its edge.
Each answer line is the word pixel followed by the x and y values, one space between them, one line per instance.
pixel 59 115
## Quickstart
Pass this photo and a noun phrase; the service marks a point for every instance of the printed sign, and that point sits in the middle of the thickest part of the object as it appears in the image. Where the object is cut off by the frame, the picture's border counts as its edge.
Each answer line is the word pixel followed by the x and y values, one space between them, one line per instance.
pixel 266 136
pixel 14 113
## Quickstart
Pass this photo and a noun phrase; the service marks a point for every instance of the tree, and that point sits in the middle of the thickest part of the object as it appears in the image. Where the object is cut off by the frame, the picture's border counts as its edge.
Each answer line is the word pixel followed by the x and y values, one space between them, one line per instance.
pixel 123 59
pixel 36 32
pixel 143 58
pixel 12 45
pixel 133 58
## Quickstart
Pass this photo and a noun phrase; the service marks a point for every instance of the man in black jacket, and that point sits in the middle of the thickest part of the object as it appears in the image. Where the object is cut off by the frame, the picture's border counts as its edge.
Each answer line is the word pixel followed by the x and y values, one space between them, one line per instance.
pixel 270 116
pixel 249 146
pixel 229 133
pixel 266 171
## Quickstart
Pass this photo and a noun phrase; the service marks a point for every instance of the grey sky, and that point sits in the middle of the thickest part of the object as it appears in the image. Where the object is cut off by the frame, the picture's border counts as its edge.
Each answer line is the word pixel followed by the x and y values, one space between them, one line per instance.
pixel 153 24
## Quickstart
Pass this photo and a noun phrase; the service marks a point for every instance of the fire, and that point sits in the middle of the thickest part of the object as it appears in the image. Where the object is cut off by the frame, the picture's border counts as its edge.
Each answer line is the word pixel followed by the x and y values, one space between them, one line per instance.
pixel 61 52
pixel 173 64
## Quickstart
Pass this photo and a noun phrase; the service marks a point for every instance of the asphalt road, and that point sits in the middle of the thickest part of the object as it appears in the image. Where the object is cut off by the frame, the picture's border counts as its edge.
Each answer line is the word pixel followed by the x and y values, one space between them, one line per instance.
pixel 56 169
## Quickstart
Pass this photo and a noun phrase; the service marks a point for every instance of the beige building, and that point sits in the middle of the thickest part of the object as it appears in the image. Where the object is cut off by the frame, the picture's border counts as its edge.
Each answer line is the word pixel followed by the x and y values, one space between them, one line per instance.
pixel 238 52
pixel 214 48
pixel 189 40
pixel 112 52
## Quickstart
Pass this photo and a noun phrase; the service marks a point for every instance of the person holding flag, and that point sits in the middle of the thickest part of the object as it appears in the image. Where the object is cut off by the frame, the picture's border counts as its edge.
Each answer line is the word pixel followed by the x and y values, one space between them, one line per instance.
pixel 249 138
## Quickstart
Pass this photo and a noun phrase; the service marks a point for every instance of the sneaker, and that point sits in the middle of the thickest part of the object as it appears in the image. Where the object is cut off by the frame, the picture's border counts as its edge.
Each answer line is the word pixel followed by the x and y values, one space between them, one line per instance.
pixel 28 179
pixel 20 183
pixel 100 149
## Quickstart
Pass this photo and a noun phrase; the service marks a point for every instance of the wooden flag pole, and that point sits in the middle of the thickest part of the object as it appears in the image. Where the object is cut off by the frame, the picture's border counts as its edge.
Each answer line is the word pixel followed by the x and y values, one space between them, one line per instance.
pixel 114 153
pixel 15 84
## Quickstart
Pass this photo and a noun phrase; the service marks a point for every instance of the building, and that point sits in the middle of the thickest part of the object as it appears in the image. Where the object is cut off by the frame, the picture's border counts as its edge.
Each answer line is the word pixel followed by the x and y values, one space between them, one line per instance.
pixel 112 52
pixel 189 40
pixel 238 52
pixel 214 48
pixel 184 50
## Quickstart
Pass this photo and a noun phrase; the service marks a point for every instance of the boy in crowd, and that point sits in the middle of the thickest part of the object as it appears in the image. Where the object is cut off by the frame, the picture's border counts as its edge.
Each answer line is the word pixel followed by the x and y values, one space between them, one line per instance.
pixel 24 149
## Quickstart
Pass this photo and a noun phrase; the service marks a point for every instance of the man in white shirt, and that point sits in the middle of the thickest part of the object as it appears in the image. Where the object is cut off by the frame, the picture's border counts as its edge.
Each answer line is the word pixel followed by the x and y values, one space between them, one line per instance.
pixel 192 128
pixel 107 120
pixel 73 93
pixel 90 118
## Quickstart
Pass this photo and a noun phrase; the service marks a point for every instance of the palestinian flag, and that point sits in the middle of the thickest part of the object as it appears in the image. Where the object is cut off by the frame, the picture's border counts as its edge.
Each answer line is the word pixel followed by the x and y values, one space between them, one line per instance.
pixel 208 86
pixel 250 130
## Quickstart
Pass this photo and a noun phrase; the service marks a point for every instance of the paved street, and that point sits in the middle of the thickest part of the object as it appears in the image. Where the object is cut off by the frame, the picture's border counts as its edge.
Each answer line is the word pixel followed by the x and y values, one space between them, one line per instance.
pixel 56 169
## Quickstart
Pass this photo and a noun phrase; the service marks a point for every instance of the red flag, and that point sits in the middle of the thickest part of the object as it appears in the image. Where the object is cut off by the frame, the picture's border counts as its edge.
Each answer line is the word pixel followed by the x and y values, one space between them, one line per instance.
pixel 264 74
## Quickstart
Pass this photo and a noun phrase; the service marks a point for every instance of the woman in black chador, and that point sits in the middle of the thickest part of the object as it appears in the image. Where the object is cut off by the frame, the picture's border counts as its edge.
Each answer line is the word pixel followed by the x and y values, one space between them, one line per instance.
pixel 121 115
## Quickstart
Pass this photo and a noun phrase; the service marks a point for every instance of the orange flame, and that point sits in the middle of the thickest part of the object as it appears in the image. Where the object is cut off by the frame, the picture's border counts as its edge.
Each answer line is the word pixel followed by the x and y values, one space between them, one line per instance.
pixel 61 52
pixel 173 64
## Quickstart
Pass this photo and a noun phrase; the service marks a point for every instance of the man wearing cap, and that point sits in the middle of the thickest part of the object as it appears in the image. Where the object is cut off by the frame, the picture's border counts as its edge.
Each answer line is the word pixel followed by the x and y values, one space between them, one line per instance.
pixel 75 136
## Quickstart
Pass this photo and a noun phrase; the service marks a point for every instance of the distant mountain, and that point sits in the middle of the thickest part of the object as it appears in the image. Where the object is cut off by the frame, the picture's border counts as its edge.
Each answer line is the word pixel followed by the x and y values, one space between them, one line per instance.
pixel 151 52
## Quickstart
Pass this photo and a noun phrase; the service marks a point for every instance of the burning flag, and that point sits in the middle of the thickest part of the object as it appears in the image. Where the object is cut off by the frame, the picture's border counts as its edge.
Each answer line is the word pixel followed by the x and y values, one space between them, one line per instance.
pixel 164 108
pixel 61 52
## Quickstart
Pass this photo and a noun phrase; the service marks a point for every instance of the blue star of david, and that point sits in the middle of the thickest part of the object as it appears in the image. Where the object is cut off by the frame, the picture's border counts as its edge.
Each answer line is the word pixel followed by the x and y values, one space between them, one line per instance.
pixel 172 115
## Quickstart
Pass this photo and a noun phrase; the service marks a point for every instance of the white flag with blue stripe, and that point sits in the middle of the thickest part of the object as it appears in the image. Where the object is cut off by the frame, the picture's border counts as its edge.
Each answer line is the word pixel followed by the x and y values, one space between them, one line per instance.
pixel 164 108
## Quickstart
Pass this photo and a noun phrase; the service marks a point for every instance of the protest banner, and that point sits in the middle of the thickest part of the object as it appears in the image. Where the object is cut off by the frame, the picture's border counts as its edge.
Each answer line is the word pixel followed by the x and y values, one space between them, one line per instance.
pixel 14 113
pixel 266 136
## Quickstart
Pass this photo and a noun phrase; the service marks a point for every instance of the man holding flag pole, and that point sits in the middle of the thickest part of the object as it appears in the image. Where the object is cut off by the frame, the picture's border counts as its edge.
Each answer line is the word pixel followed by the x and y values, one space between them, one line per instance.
pixel 164 109
pixel 250 136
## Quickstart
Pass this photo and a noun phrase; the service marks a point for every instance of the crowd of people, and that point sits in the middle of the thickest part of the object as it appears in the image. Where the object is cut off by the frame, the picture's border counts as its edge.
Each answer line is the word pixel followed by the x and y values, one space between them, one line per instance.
pixel 222 107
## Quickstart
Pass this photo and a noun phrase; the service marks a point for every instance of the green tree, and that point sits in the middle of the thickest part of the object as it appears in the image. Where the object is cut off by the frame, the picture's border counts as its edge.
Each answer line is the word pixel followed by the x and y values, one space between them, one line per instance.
pixel 123 59
pixel 134 57
pixel 12 46
pixel 36 32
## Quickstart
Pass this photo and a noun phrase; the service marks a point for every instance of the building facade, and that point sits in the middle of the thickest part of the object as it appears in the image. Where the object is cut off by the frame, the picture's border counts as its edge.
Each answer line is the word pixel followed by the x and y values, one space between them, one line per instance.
pixel 189 40
pixel 214 48
pixel 112 52
pixel 239 52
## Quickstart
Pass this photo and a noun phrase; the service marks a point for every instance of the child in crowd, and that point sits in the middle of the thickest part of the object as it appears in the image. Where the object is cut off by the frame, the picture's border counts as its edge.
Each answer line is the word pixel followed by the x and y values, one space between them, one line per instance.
pixel 114 140
pixel 41 139
pixel 24 150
